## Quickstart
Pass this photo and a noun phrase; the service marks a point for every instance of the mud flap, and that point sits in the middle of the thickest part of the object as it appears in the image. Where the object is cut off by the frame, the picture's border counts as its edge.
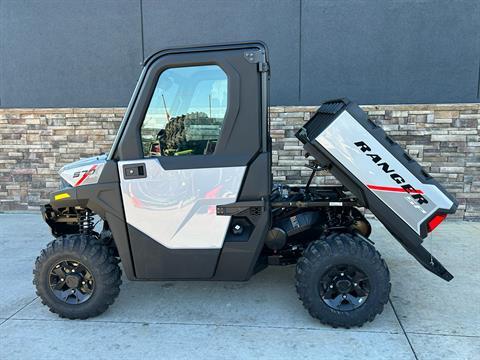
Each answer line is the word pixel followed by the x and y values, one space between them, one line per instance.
pixel 407 200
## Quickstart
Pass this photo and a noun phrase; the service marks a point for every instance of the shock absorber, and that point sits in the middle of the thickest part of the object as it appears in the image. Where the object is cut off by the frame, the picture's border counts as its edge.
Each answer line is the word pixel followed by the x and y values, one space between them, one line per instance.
pixel 85 222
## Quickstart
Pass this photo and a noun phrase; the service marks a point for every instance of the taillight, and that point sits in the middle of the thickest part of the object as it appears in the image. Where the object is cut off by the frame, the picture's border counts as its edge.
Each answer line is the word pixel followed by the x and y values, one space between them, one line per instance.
pixel 435 221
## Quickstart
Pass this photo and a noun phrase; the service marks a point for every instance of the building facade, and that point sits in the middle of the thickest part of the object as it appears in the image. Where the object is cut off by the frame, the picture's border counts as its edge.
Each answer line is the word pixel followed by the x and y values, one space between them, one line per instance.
pixel 67 69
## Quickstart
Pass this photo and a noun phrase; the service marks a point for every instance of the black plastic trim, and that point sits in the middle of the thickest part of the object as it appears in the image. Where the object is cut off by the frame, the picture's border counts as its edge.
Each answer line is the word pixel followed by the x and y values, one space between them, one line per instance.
pixel 153 261
pixel 206 47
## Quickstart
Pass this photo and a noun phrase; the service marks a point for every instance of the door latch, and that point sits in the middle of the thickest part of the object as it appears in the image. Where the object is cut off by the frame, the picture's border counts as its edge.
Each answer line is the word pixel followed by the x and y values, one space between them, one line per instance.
pixel 134 171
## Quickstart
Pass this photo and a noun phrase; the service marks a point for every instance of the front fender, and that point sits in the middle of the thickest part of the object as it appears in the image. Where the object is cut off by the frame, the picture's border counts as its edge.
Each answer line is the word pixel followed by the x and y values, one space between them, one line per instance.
pixel 102 198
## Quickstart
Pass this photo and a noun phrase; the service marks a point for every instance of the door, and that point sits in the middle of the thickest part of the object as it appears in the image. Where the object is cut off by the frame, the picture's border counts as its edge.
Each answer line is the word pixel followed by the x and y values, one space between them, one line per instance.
pixel 196 125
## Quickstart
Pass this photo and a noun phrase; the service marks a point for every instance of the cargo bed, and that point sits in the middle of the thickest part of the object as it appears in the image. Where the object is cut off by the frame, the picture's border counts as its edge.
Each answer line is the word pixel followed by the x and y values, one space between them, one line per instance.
pixel 386 180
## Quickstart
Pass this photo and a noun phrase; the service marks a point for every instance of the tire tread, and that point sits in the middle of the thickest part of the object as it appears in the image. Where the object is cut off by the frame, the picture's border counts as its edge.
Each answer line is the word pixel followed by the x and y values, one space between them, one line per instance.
pixel 104 266
pixel 340 245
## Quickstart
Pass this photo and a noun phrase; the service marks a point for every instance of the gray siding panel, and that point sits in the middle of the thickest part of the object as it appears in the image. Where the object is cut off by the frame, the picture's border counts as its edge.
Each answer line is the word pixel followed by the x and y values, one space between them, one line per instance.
pixel 180 22
pixel 69 53
pixel 390 51
pixel 87 53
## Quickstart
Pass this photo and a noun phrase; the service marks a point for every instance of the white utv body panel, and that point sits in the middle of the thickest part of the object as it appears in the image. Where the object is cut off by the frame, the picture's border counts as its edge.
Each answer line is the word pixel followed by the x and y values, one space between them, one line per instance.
pixel 361 155
pixel 177 208
pixel 348 141
pixel 83 172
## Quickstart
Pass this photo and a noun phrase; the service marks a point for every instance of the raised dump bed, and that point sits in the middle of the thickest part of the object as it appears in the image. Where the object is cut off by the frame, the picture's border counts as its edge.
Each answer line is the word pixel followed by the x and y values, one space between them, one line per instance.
pixel 407 200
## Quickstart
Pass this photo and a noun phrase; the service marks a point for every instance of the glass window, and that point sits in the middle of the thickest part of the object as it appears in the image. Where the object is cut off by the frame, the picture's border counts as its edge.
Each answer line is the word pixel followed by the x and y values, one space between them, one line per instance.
pixel 186 112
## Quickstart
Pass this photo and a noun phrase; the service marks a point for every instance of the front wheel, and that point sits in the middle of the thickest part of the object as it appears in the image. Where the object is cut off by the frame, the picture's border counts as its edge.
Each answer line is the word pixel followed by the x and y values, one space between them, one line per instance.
pixel 77 277
pixel 342 280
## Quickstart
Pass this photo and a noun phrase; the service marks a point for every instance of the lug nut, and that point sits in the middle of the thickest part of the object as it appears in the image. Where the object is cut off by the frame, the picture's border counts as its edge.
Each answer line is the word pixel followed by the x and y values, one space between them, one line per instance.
pixel 331 286
pixel 73 270
pixel 355 284
pixel 341 274
pixel 344 296
pixel 83 282
pixel 62 279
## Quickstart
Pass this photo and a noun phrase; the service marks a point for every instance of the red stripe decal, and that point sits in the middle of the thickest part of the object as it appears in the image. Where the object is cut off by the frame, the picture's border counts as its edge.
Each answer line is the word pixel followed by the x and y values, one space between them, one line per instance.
pixel 394 189
pixel 85 175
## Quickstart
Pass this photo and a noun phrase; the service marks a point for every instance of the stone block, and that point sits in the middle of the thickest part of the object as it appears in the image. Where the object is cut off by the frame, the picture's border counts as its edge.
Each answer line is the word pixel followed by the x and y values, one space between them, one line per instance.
pixel 446 114
pixel 436 137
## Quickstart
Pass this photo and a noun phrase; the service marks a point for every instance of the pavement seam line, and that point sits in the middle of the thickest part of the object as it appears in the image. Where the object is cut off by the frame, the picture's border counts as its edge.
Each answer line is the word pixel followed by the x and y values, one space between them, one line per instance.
pixel 403 329
pixel 448 335
pixel 248 326
pixel 217 325
pixel 16 312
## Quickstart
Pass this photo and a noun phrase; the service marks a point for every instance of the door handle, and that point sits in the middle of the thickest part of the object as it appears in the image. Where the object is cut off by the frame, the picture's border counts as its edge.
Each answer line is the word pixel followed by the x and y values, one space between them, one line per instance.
pixel 134 171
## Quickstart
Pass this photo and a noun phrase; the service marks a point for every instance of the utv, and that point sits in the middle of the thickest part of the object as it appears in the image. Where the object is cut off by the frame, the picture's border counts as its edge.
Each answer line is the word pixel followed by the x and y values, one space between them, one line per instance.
pixel 186 193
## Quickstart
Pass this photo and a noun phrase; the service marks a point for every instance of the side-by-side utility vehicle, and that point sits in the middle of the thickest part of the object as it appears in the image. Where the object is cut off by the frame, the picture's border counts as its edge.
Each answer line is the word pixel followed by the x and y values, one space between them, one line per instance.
pixel 186 192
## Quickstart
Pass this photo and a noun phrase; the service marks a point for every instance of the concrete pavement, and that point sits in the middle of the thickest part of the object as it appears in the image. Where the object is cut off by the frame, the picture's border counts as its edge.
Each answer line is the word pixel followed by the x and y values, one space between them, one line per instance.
pixel 427 318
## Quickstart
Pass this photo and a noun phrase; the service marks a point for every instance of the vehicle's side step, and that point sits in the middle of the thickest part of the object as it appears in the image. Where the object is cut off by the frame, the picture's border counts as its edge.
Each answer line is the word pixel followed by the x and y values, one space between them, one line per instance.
pixel 408 201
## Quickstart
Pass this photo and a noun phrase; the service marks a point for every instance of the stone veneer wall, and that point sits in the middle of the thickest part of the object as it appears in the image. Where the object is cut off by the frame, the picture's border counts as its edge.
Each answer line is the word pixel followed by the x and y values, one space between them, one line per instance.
pixel 35 143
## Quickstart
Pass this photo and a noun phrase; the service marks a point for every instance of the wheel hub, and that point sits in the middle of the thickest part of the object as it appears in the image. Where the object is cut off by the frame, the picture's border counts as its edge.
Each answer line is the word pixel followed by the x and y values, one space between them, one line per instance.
pixel 344 287
pixel 71 282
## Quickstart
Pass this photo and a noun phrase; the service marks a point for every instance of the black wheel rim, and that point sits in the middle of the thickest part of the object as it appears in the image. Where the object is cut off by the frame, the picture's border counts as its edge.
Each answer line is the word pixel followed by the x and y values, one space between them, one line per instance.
pixel 71 282
pixel 344 287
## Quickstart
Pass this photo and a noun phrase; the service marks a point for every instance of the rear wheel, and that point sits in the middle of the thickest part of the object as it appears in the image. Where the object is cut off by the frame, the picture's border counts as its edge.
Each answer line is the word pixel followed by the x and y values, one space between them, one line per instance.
pixel 77 277
pixel 342 280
